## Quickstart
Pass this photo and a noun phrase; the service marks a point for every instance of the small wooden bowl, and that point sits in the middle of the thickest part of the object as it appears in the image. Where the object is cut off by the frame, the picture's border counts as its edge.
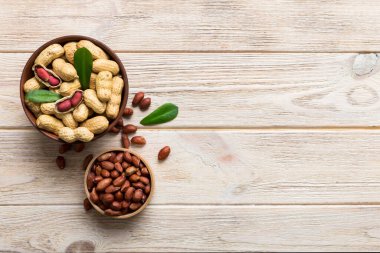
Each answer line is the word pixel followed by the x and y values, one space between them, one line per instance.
pixel 27 73
pixel 152 184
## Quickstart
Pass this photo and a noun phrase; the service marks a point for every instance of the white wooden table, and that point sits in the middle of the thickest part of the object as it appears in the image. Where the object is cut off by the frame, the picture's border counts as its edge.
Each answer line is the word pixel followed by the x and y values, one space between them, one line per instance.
pixel 276 148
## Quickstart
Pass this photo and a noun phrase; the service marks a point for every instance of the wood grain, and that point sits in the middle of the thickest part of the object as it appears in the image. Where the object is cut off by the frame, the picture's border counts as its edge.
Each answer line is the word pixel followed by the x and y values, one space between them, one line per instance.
pixel 239 90
pixel 275 147
pixel 197 25
pixel 208 167
pixel 182 229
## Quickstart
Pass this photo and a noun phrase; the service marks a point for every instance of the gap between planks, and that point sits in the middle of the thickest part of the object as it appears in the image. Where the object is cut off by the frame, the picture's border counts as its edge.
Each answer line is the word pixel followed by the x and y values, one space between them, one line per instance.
pixel 245 129
pixel 217 51
pixel 218 206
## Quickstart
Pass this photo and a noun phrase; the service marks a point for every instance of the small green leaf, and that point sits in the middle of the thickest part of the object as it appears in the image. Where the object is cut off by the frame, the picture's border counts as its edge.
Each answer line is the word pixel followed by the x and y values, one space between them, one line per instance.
pixel 162 114
pixel 83 65
pixel 42 96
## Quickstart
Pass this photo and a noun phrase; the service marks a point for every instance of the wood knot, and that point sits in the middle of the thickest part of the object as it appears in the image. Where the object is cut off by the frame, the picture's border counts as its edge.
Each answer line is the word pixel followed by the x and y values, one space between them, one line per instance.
pixel 364 64
pixel 227 158
pixel 81 247
pixel 362 96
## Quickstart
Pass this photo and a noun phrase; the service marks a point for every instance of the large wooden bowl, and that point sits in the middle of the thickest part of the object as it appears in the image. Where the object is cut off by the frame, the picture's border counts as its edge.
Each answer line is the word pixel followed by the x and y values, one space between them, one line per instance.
pixel 152 184
pixel 27 73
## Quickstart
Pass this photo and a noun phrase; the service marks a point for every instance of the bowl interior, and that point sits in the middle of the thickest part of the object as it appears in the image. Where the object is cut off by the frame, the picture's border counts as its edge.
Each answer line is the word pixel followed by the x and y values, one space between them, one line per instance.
pixel 27 73
pixel 152 183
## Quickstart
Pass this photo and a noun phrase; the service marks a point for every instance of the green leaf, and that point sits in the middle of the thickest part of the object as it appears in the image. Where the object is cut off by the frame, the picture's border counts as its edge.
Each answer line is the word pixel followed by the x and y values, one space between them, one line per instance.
pixel 162 114
pixel 83 65
pixel 42 96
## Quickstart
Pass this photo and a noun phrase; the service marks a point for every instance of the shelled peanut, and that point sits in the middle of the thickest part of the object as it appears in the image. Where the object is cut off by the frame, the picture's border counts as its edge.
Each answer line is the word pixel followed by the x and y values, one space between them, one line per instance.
pixel 92 108
pixel 118 183
pixel 46 76
pixel 69 103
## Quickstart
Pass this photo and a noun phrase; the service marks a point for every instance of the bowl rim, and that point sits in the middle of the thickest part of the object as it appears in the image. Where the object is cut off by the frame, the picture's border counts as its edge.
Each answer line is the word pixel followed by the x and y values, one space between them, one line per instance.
pixel 152 183
pixel 63 40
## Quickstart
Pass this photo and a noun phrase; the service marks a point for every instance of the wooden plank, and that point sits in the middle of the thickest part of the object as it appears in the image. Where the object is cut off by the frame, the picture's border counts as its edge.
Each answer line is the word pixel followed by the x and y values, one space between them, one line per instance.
pixel 284 25
pixel 239 90
pixel 209 167
pixel 195 228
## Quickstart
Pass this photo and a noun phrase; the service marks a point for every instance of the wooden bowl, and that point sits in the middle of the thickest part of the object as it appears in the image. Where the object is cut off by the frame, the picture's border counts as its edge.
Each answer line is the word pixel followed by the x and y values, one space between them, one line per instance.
pixel 152 184
pixel 27 73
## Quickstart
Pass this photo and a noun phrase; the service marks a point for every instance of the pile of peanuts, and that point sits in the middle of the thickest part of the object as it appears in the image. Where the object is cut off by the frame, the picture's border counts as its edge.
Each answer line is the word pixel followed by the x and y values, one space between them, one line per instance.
pixel 79 115
pixel 118 183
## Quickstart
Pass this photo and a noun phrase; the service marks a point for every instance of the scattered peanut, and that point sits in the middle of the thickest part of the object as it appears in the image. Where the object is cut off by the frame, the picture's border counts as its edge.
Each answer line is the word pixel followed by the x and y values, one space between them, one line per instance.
pixel 144 104
pixel 128 129
pixel 64 70
pixel 115 130
pixel 113 105
pixel 96 124
pixel 49 54
pixel 125 141
pixel 64 148
pixel 137 98
pixel 127 112
pixel 164 153
pixel 60 161
pixel 120 122
pixel 79 147
pixel 105 65
pixel 138 140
